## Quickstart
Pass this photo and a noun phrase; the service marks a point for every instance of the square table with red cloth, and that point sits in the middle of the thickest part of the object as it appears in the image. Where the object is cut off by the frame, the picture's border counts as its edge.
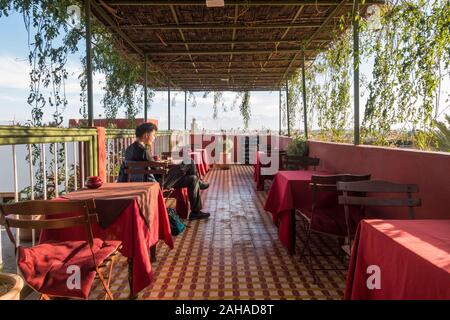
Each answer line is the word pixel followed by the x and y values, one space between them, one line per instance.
pixel 199 164
pixel 413 257
pixel 133 213
pixel 205 159
pixel 289 191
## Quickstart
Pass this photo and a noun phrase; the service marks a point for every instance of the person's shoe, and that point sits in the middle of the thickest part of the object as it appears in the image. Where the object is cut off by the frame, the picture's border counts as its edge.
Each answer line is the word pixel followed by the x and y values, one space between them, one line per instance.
pixel 203 185
pixel 198 215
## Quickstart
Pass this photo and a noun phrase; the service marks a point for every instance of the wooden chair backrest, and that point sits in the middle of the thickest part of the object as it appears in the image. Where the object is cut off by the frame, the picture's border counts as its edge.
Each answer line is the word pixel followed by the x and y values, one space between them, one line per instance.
pixel 329 182
pixel 299 162
pixel 12 215
pixel 379 187
pixel 166 155
pixel 146 168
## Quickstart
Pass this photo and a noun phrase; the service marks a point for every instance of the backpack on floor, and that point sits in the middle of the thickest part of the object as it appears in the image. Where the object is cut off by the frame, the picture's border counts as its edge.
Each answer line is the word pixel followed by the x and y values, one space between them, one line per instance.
pixel 176 224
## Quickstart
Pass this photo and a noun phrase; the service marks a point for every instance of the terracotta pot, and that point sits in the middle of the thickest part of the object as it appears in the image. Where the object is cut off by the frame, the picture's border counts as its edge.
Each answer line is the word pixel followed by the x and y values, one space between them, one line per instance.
pixel 93 182
pixel 15 282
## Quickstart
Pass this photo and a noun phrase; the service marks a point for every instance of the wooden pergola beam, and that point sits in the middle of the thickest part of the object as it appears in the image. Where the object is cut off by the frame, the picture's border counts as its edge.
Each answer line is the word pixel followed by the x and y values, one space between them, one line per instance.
pixel 225 74
pixel 225 42
pixel 175 17
pixel 111 24
pixel 223 88
pixel 236 12
pixel 253 61
pixel 232 2
pixel 215 70
pixel 285 33
pixel 317 32
pixel 226 52
pixel 219 26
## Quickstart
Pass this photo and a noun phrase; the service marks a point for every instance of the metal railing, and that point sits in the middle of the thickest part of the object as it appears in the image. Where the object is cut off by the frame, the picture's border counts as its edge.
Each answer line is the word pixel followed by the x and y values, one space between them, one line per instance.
pixel 117 140
pixel 49 172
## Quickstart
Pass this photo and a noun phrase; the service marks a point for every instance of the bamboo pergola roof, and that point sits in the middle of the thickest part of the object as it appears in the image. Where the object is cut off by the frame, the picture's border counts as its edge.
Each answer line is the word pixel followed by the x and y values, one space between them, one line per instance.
pixel 245 45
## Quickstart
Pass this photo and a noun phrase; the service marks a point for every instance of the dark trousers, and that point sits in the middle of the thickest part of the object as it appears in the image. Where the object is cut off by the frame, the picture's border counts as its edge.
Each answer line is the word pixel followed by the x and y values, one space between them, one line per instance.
pixel 188 178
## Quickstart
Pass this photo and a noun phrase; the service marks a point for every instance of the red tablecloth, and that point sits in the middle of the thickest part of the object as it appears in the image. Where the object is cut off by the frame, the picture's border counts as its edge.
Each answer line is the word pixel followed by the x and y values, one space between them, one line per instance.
pixel 199 164
pixel 129 226
pixel 290 191
pixel 182 198
pixel 205 159
pixel 413 257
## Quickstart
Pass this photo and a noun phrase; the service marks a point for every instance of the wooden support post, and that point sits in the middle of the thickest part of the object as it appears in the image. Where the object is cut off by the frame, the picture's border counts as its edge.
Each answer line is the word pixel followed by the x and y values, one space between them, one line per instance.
pixel 305 113
pixel 90 96
pixel 356 71
pixel 185 110
pixel 168 107
pixel 287 109
pixel 279 113
pixel 145 91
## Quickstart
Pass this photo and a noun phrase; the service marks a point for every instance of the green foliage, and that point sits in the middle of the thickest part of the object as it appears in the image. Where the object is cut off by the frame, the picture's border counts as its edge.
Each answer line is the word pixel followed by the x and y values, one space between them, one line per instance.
pixel 410 50
pixel 327 90
pixel 298 147
pixel 123 75
pixel 218 102
pixel 245 108
pixel 51 40
pixel 46 24
pixel 442 135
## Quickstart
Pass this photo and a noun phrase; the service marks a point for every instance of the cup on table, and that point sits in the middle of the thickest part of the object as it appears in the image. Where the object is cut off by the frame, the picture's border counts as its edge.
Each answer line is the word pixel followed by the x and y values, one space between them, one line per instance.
pixel 156 158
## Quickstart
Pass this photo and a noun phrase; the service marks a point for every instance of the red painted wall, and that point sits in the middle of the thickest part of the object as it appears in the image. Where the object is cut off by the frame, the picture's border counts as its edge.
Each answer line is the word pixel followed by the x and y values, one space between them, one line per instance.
pixel 430 170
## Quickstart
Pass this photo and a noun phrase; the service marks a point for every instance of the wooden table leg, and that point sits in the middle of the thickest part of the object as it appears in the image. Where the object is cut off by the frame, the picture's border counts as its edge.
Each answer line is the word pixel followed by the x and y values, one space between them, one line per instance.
pixel 153 253
pixel 294 231
pixel 130 279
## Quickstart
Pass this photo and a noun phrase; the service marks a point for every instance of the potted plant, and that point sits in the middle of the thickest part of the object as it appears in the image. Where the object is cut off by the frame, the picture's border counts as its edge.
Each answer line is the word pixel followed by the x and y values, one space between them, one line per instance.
pixel 298 147
pixel 10 286
pixel 225 156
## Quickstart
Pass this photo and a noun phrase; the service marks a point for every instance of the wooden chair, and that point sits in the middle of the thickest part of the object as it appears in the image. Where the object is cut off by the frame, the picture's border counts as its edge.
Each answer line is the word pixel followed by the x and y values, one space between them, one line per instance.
pixel 326 219
pixel 166 155
pixel 299 162
pixel 376 187
pixel 146 168
pixel 264 177
pixel 92 256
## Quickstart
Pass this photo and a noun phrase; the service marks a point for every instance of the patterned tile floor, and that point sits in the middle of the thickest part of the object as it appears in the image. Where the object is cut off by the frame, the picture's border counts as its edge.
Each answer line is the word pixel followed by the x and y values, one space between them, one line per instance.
pixel 235 254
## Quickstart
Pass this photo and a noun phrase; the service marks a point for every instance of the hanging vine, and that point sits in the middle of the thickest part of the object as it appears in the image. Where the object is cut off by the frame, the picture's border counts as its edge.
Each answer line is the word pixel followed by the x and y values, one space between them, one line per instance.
pixel 123 77
pixel 50 41
pixel 328 91
pixel 245 108
pixel 411 58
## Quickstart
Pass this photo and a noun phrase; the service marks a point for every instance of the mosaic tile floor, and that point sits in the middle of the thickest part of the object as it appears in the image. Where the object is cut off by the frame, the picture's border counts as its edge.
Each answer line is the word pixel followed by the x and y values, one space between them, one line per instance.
pixel 235 254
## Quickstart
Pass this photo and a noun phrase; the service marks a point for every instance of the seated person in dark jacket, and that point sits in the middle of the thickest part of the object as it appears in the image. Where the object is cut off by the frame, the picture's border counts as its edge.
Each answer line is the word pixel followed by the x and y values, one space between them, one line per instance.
pixel 180 176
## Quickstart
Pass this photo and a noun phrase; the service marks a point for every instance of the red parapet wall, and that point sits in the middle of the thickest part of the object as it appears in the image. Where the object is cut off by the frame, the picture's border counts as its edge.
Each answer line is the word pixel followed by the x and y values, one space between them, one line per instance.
pixel 429 170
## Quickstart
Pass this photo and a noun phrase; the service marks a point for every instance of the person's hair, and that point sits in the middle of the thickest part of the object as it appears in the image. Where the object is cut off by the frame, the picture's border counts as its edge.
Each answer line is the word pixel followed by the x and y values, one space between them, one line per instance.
pixel 144 128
